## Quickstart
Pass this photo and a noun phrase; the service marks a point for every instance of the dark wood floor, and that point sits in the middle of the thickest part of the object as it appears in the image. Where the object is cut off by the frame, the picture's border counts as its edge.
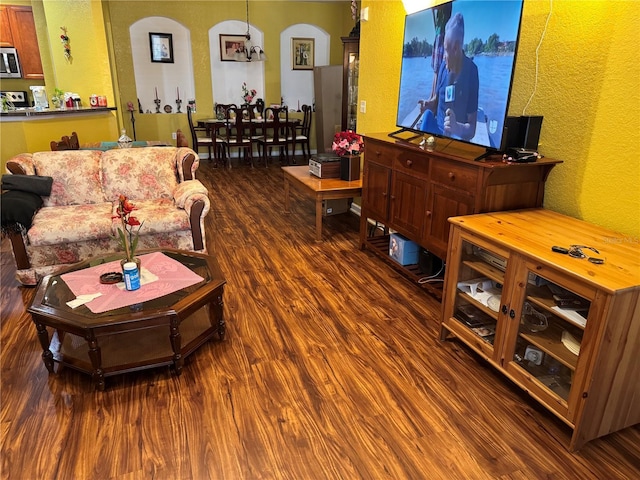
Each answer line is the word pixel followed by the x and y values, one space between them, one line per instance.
pixel 331 369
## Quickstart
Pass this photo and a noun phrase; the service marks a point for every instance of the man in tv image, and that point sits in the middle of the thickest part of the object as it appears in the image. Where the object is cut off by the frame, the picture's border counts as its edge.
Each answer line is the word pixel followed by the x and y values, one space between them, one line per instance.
pixel 452 110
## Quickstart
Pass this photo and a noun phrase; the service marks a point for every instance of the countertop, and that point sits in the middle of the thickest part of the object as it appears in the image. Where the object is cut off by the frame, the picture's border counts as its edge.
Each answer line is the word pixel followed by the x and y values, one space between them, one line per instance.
pixel 28 113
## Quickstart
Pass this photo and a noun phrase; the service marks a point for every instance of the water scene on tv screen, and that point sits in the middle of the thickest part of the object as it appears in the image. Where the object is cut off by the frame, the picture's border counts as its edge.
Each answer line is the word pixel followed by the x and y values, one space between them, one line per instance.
pixel 490 39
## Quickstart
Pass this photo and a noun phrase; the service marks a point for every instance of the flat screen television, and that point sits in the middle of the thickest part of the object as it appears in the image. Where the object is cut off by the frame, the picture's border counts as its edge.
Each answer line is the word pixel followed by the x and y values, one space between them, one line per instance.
pixel 457 68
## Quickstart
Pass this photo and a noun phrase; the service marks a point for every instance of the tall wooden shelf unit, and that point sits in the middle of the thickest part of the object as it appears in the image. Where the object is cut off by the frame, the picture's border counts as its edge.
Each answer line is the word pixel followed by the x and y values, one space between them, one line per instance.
pixel 564 329
pixel 414 191
pixel 350 67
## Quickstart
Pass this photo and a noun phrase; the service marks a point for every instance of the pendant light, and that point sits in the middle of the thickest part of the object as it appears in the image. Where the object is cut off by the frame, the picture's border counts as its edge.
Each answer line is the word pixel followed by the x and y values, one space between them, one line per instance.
pixel 250 52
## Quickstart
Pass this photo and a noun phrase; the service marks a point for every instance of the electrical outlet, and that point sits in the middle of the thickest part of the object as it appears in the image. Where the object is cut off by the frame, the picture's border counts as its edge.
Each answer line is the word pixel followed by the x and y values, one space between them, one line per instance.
pixel 363 106
pixel 174 135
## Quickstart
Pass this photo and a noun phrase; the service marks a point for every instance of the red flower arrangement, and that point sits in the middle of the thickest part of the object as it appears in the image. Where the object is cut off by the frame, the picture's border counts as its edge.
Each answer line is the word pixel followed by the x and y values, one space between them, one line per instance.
pixel 248 95
pixel 347 143
pixel 128 238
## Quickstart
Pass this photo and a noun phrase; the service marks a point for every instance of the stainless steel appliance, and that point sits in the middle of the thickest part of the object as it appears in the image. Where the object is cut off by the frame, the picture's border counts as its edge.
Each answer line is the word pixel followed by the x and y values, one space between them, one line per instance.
pixel 9 63
pixel 18 99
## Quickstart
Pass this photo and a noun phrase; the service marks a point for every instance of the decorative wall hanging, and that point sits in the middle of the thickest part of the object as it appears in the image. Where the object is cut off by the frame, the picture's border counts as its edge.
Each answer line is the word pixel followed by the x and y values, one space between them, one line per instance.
pixel 229 45
pixel 64 38
pixel 302 53
pixel 161 46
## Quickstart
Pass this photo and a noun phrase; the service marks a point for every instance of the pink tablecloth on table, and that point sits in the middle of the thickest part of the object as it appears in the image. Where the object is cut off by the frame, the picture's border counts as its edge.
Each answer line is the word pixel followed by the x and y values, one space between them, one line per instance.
pixel 172 276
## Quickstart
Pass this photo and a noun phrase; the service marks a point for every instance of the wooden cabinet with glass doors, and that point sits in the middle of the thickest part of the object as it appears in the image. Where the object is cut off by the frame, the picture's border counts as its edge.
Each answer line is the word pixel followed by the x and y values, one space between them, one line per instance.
pixel 565 329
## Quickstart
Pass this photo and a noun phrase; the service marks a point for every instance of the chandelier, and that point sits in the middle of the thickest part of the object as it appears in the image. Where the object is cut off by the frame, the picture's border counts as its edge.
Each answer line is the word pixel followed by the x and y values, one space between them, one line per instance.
pixel 249 52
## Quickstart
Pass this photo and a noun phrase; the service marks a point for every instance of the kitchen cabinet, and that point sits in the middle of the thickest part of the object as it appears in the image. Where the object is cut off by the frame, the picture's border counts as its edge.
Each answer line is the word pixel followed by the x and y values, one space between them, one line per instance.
pixel 562 328
pixel 350 67
pixel 6 39
pixel 414 191
pixel 19 31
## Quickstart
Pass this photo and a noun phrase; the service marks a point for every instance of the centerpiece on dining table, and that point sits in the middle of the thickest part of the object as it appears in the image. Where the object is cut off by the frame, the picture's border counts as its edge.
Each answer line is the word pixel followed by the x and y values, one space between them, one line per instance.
pixel 348 145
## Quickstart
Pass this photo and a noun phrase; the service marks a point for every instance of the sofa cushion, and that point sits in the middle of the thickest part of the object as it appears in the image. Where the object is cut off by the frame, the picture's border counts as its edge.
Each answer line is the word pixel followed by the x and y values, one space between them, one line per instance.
pixel 59 225
pixel 156 216
pixel 76 176
pixel 139 173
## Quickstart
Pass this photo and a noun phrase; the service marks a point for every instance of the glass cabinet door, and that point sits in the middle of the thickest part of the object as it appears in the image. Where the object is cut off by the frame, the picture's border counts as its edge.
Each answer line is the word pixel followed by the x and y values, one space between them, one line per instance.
pixel 549 336
pixel 350 67
pixel 352 90
pixel 478 295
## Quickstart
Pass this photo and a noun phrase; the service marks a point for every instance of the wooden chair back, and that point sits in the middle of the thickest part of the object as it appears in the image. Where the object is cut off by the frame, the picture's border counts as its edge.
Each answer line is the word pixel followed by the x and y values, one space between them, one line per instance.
pixel 305 127
pixel 66 143
pixel 220 110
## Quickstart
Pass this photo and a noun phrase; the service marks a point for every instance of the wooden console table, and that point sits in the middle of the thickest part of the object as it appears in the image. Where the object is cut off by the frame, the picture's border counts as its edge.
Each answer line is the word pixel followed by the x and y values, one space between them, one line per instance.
pixel 318 188
pixel 414 190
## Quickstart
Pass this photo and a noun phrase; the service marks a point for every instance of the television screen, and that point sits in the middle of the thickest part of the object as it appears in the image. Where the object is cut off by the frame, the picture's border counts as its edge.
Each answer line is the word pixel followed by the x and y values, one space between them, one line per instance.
pixel 457 67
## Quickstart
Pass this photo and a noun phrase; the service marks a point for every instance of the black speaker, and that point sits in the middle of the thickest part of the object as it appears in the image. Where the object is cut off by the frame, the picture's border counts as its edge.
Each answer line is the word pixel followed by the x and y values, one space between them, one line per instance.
pixel 522 132
pixel 530 131
pixel 350 168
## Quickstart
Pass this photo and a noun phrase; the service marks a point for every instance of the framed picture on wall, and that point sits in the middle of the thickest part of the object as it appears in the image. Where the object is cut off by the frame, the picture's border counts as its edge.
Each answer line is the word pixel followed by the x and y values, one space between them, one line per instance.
pixel 229 45
pixel 161 47
pixel 302 53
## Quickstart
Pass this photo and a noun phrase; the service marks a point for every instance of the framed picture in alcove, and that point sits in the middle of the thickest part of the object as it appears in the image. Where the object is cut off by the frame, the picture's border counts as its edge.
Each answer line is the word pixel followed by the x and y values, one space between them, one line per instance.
pixel 302 53
pixel 229 45
pixel 161 47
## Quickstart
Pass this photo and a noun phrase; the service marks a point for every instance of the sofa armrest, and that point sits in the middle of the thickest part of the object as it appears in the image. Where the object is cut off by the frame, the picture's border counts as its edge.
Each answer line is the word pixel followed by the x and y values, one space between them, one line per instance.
pixel 186 189
pixel 193 197
pixel 187 162
pixel 21 164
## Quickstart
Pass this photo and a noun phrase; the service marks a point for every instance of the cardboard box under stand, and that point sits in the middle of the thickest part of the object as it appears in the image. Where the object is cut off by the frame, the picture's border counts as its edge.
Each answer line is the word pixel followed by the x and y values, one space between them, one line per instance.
pixel 325 165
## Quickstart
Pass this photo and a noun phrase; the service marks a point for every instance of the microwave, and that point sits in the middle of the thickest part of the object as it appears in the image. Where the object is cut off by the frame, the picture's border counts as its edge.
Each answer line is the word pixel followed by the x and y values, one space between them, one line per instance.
pixel 9 64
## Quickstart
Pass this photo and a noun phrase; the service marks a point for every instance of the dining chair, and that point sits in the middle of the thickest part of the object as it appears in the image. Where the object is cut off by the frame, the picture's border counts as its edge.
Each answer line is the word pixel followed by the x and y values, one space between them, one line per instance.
pixel 238 132
pixel 275 133
pixel 220 109
pixel 66 143
pixel 302 134
pixel 198 140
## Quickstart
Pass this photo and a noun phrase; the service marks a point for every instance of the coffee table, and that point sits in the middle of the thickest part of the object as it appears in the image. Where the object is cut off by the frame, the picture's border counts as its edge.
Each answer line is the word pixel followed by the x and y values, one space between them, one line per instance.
pixel 318 188
pixel 154 333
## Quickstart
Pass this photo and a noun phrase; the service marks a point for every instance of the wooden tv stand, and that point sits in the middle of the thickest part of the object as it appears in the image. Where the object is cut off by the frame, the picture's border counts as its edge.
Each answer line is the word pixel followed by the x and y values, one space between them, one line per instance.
pixel 414 190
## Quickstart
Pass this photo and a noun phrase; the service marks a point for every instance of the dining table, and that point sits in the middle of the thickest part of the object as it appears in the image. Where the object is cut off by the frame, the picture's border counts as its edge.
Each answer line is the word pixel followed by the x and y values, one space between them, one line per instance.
pixel 214 125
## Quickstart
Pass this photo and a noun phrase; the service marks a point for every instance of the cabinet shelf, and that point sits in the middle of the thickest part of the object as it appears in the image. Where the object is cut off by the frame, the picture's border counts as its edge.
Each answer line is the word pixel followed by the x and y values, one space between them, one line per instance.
pixel 542 297
pixel 485 269
pixel 549 341
pixel 480 306
pixel 380 246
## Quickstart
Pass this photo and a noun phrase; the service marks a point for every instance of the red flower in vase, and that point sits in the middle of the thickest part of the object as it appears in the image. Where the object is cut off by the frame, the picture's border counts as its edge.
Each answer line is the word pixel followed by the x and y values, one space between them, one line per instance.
pixel 347 143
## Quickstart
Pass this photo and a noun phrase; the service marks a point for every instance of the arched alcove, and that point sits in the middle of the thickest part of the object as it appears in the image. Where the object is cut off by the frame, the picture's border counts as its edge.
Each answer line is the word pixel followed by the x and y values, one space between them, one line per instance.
pixel 227 77
pixel 167 78
pixel 296 86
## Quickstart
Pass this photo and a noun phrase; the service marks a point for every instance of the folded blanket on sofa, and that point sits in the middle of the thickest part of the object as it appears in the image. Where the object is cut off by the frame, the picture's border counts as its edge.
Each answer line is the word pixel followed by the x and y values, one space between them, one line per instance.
pixel 18 209
pixel 28 183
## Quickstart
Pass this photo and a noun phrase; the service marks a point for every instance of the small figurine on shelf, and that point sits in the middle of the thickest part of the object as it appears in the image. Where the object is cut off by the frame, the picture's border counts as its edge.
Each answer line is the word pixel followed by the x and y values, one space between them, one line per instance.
pixel 178 101
pixel 157 101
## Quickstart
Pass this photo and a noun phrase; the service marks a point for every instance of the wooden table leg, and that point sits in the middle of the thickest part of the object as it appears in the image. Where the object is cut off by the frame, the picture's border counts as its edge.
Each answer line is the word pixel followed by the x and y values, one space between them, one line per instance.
pixel 318 218
pixel 286 193
pixel 95 355
pixel 176 344
pixel 43 337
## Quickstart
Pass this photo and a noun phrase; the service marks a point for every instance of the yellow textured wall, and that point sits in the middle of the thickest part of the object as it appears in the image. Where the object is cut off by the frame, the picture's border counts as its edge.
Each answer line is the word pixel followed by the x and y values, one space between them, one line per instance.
pixel 588 91
pixel 89 71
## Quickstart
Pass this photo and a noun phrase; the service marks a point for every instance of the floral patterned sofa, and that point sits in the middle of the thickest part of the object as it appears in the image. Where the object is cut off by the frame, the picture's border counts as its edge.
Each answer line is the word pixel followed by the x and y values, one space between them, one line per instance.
pixel 76 221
